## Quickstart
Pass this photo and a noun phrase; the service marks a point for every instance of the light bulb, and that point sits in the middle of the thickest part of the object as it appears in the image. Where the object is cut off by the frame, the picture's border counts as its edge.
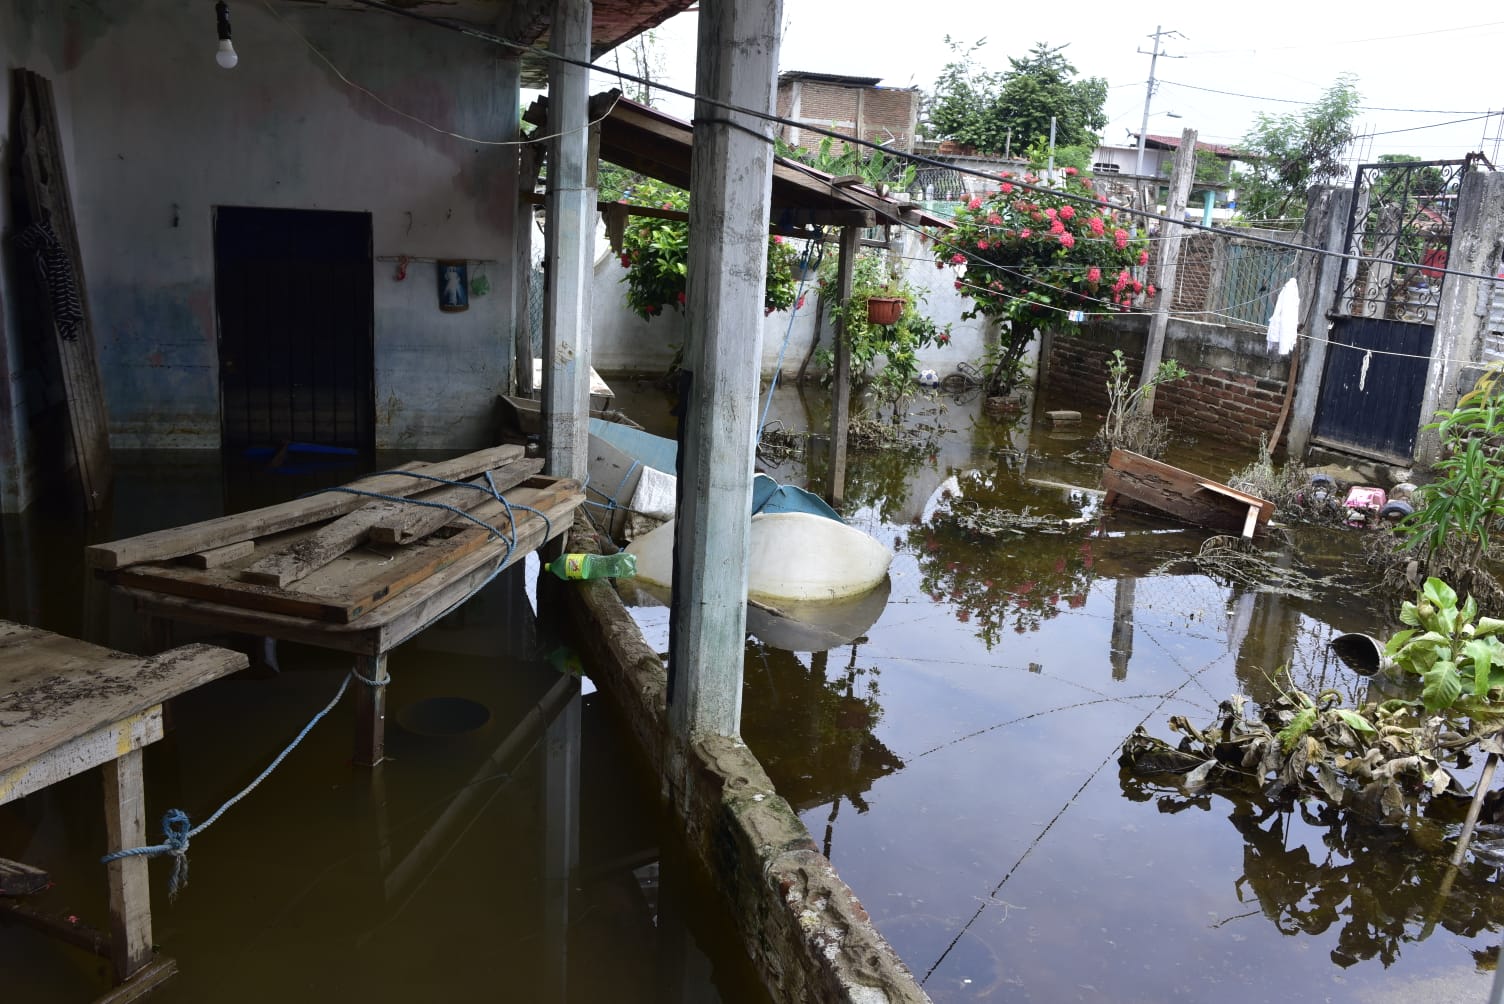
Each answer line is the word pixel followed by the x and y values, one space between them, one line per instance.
pixel 226 56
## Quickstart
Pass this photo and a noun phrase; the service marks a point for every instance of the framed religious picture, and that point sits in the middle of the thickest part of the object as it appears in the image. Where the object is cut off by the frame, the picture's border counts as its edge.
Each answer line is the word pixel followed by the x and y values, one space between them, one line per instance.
pixel 454 286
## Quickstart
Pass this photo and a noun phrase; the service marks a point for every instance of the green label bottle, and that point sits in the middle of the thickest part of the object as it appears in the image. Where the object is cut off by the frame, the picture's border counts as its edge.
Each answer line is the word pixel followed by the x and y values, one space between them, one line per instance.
pixel 594 566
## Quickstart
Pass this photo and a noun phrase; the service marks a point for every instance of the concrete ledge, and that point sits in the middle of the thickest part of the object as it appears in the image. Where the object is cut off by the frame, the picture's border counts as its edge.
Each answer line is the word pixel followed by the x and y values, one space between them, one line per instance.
pixel 802 927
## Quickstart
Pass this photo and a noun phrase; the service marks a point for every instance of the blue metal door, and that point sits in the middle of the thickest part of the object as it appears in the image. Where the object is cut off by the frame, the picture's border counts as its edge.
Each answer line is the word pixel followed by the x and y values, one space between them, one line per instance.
pixel 1372 387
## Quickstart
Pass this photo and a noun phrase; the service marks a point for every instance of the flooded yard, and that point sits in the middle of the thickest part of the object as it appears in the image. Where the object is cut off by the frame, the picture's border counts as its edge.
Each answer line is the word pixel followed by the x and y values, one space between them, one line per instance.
pixel 506 850
pixel 953 749
pixel 958 761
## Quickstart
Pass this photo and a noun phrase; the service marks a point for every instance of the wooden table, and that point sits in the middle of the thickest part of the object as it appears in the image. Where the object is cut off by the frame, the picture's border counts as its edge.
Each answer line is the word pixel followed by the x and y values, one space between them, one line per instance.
pixel 330 570
pixel 67 706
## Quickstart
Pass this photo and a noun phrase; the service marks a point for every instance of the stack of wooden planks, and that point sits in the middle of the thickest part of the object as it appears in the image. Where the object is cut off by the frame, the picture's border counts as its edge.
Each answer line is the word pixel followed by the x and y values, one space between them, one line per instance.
pixel 337 556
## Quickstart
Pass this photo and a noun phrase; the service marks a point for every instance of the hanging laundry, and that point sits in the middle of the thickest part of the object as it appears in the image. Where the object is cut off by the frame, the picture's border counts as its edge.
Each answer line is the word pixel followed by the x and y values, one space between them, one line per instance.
pixel 1284 323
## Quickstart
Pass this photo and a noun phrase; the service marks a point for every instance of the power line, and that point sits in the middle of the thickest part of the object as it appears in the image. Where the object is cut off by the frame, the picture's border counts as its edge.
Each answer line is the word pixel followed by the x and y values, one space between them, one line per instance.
pixel 1294 101
pixel 773 119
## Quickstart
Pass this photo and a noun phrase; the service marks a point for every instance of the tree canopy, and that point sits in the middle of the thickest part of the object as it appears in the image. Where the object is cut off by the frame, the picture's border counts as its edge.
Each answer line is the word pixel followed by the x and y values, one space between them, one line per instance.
pixel 1291 152
pixel 993 111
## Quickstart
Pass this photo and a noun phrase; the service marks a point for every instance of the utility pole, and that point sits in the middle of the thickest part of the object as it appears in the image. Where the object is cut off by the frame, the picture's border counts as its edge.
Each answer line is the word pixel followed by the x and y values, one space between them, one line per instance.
pixel 1153 54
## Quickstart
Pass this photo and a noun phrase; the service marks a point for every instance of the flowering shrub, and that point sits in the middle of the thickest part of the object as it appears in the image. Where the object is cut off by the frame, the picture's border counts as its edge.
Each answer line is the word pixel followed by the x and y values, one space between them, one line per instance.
pixel 655 254
pixel 1030 257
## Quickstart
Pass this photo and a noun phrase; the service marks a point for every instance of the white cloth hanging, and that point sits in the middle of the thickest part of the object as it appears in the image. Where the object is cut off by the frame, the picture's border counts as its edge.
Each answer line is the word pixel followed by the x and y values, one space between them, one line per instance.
pixel 1284 323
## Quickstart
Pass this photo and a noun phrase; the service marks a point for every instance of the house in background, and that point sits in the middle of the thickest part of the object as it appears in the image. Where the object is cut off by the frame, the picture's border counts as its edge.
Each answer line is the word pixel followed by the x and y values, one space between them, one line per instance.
pixel 1121 161
pixel 853 105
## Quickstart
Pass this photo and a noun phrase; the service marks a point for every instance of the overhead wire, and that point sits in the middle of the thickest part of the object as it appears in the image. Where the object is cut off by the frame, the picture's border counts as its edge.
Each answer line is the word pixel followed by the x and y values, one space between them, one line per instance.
pixel 773 119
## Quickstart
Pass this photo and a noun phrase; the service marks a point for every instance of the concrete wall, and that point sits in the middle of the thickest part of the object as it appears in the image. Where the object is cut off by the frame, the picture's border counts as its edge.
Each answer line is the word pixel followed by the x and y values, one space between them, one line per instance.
pixel 625 342
pixel 160 136
pixel 1233 392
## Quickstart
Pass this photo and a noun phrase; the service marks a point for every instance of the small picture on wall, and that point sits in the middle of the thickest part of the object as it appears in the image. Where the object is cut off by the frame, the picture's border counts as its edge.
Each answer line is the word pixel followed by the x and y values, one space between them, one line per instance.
pixel 454 286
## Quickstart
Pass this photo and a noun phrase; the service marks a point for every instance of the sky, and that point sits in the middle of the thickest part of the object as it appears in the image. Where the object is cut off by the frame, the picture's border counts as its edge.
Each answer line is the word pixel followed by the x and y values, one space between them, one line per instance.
pixel 1276 52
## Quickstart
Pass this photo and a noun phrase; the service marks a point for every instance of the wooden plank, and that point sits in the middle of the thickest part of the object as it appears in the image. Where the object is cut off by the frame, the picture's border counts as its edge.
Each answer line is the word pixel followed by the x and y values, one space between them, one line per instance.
pixel 44 187
pixel 216 556
pixel 415 522
pixel 53 688
pixel 353 585
pixel 392 623
pixel 67 929
pixel 20 879
pixel 95 748
pixel 291 562
pixel 146 979
pixel 1170 490
pixel 130 895
pixel 175 542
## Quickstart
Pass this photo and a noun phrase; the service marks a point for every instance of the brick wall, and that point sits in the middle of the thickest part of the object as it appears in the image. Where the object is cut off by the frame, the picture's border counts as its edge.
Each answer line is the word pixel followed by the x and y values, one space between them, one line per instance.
pixel 1193 277
pixel 887 113
pixel 1233 392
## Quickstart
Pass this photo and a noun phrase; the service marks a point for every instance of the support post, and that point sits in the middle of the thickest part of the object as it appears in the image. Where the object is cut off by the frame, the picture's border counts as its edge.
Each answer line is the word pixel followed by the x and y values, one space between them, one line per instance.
pixel 569 248
pixel 1169 260
pixel 561 843
pixel 840 409
pixel 1327 211
pixel 370 711
pixel 730 195
pixel 530 160
pixel 1462 314
pixel 130 894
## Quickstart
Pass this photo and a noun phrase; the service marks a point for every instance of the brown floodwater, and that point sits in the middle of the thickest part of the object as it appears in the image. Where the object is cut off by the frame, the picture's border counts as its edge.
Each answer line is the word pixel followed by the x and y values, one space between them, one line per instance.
pixel 485 860
pixel 955 754
pixel 956 757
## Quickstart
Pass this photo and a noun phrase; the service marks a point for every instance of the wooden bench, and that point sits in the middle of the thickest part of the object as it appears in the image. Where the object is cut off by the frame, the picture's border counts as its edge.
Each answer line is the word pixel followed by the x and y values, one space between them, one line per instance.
pixel 67 706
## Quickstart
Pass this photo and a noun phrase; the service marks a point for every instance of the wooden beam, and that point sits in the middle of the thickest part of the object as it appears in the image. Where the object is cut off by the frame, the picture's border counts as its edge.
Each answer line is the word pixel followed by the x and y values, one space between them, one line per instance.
pixel 44 187
pixel 370 710
pixel 130 896
pixel 840 411
pixel 161 545
pixel 416 522
pixel 216 556
pixel 20 879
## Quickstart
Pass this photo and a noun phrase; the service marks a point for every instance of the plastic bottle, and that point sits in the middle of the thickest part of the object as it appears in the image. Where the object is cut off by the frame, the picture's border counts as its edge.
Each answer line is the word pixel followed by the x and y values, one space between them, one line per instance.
pixel 594 566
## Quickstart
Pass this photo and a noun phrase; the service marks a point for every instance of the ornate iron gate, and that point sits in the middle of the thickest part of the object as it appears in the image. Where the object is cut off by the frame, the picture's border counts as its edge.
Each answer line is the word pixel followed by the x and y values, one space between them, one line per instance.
pixel 1384 316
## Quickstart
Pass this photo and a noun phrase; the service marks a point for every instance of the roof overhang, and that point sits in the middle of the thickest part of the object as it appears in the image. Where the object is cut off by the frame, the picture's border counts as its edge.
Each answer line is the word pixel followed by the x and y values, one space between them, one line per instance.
pixel 644 139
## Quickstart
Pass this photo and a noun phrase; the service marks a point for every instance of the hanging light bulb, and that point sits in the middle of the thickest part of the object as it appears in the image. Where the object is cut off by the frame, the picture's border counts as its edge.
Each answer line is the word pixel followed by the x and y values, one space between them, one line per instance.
pixel 226 56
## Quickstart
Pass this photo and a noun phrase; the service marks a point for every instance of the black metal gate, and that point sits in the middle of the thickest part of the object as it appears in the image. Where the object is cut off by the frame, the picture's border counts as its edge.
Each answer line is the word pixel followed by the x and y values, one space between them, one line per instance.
pixel 294 292
pixel 1384 316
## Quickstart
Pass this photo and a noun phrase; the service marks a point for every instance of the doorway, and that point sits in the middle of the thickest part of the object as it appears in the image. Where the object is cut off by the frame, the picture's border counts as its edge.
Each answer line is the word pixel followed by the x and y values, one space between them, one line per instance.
pixel 293 293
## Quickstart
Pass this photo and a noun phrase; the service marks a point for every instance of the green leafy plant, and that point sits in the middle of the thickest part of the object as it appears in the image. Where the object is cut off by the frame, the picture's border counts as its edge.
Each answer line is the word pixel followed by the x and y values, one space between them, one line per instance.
pixel 655 254
pixel 1456 654
pixel 878 170
pixel 1034 257
pixel 1460 508
pixel 1125 425
pixel 897 345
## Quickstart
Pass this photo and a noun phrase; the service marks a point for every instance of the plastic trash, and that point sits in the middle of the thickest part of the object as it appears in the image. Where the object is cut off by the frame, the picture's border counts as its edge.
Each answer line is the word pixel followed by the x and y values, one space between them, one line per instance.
pixel 579 566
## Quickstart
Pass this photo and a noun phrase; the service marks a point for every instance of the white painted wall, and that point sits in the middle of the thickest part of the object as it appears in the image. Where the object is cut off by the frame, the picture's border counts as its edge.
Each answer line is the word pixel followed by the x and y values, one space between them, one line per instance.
pixel 625 342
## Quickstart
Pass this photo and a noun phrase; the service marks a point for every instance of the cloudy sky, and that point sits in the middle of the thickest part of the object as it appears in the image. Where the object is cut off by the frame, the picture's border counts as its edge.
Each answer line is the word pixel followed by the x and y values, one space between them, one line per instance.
pixel 1415 72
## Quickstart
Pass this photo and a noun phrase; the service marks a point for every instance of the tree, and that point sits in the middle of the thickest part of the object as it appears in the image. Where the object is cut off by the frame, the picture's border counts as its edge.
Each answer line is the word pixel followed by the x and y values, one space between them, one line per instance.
pixel 1291 152
pixel 1000 112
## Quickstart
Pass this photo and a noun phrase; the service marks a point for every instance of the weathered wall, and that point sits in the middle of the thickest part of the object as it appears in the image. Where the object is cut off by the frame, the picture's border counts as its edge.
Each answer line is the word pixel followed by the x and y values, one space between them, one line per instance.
pixel 161 135
pixel 1233 392
pixel 625 342
pixel 883 115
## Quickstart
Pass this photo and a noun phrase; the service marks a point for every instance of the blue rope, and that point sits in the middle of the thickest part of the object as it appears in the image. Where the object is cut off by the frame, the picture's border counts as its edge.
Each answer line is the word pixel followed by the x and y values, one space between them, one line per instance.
pixel 175 824
pixel 175 830
pixel 789 331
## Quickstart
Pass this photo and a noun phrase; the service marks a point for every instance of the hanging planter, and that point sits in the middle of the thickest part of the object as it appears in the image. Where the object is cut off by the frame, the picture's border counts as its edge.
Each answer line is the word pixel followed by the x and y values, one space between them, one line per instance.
pixel 884 309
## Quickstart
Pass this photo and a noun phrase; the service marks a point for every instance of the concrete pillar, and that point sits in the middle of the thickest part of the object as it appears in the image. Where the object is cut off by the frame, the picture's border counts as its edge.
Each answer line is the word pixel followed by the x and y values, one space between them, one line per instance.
pixel 840 389
pixel 569 248
pixel 1477 241
pixel 730 193
pixel 1317 277
pixel 1169 261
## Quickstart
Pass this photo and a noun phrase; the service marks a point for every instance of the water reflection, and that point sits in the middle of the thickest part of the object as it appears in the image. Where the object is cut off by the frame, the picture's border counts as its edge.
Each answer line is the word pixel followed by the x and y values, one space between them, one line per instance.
pixel 820 720
pixel 1310 869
